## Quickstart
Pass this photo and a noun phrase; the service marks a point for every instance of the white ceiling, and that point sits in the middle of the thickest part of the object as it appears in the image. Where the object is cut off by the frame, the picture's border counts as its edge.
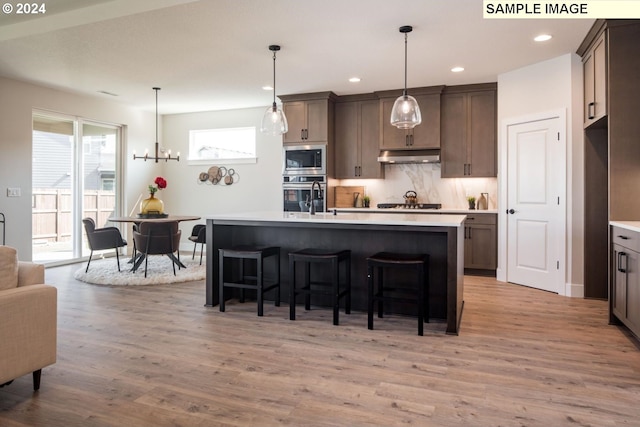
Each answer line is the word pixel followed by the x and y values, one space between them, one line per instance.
pixel 213 54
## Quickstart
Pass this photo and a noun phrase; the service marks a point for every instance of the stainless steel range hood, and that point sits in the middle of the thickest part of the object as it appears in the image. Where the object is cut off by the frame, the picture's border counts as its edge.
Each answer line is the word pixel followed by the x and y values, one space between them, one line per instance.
pixel 409 156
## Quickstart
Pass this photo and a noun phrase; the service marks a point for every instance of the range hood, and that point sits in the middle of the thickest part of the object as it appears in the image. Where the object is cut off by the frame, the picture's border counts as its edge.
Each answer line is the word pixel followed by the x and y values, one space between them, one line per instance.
pixel 409 156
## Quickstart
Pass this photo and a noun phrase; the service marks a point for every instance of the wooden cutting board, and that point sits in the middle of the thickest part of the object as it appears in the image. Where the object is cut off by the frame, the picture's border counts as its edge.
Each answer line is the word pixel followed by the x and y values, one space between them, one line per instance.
pixel 344 196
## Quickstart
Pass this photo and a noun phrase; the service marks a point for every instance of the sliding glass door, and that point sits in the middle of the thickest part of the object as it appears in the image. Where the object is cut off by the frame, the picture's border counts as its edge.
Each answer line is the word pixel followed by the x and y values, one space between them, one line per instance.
pixel 76 172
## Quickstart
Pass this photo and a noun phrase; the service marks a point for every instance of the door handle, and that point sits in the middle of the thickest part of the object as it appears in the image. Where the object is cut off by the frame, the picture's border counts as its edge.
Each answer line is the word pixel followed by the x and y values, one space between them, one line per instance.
pixel 511 211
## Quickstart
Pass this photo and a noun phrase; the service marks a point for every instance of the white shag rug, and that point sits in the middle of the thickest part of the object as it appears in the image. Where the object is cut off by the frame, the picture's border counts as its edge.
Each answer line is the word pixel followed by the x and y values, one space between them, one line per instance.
pixel 159 271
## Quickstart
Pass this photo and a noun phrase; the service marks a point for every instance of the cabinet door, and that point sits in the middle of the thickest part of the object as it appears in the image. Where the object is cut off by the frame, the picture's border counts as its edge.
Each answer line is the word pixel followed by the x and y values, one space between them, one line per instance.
pixel 296 119
pixel 453 150
pixel 594 65
pixel 317 120
pixel 480 247
pixel 427 134
pixel 481 134
pixel 369 127
pixel 633 291
pixel 346 144
pixel 619 285
pixel 600 77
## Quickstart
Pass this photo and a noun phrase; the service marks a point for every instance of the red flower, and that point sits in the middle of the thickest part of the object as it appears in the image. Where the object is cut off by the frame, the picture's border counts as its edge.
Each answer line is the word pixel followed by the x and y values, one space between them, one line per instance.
pixel 160 182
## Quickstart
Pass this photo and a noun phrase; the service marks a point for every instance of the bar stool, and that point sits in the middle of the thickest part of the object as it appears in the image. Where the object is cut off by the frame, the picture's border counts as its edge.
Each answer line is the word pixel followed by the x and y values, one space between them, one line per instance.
pixel 419 263
pixel 257 282
pixel 331 288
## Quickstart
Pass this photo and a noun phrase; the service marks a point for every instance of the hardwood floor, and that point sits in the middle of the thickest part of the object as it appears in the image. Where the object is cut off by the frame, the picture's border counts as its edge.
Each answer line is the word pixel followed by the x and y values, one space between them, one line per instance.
pixel 155 356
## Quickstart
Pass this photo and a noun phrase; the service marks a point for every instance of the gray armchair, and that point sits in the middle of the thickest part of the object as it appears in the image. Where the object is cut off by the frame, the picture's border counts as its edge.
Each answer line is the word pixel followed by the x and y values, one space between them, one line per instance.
pixel 103 238
pixel 157 238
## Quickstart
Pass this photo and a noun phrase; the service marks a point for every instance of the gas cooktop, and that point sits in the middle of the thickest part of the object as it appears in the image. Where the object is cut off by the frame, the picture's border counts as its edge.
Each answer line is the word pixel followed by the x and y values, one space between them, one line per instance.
pixel 409 206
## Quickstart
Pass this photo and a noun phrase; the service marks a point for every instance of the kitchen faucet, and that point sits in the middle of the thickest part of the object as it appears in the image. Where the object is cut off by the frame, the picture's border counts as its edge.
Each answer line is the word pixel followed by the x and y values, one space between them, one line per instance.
pixel 312 208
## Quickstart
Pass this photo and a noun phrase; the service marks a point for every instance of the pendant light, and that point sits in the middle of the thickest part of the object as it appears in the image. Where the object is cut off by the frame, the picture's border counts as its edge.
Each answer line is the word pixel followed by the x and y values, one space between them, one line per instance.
pixel 274 122
pixel 167 154
pixel 406 112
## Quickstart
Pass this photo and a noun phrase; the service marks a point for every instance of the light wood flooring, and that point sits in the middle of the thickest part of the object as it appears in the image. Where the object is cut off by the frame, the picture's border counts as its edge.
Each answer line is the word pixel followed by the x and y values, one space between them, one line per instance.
pixel 155 356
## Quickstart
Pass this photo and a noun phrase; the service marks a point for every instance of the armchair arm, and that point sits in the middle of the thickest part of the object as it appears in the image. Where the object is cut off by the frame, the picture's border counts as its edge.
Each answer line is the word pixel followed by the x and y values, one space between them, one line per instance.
pixel 28 330
pixel 30 273
pixel 105 238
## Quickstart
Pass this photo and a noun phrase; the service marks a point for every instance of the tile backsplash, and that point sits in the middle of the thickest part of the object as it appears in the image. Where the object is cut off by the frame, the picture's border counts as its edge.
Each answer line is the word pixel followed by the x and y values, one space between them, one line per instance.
pixel 425 180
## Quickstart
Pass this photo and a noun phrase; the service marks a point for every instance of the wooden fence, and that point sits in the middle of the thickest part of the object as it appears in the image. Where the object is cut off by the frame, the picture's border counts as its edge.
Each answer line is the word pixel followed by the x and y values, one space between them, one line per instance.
pixel 52 212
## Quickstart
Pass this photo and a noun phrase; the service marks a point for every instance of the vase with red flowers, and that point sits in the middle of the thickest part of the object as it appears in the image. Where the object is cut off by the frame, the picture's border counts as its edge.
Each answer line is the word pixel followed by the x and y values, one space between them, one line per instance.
pixel 153 206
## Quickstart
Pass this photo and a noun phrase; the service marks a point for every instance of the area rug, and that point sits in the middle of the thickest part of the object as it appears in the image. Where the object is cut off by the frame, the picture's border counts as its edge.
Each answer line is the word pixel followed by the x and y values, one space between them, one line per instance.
pixel 159 271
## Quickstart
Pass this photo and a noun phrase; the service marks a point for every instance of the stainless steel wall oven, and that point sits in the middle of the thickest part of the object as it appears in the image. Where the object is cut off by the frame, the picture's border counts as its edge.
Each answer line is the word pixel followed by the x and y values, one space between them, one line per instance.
pixel 297 195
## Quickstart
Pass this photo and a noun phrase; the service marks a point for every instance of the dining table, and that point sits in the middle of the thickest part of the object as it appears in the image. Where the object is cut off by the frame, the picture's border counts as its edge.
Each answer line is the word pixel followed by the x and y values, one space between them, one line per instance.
pixel 136 259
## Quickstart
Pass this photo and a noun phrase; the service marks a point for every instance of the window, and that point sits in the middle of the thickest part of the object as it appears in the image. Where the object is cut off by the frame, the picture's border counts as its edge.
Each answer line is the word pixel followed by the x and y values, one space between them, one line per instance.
pixel 231 145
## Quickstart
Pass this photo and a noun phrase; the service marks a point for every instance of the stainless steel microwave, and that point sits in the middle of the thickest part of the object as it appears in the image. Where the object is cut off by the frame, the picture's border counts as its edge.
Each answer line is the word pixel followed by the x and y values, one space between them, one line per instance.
pixel 304 160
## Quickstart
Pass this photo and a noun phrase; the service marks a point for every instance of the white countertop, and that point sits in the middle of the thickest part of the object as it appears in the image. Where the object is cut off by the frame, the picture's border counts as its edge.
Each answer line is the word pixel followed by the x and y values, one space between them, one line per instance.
pixel 421 211
pixel 363 218
pixel 628 225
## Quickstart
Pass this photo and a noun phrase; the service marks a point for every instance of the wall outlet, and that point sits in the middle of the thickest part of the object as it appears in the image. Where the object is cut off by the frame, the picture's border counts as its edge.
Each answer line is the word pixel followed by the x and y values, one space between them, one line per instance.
pixel 14 192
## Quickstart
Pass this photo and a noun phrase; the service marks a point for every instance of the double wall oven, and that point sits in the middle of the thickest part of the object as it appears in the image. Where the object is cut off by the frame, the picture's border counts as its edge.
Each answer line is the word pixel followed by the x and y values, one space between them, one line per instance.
pixel 302 165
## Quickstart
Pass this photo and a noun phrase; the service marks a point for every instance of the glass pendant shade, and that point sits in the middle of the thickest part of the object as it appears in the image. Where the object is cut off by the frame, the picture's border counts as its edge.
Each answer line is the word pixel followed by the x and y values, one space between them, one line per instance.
pixel 274 122
pixel 405 113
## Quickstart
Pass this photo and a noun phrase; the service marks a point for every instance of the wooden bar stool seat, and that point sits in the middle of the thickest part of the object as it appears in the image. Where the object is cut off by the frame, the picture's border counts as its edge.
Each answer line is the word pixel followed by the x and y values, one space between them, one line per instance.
pixel 243 280
pixel 419 294
pixel 316 286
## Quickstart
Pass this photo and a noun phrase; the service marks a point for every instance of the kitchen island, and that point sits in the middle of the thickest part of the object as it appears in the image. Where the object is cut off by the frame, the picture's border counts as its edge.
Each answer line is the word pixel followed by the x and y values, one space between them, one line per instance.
pixel 440 236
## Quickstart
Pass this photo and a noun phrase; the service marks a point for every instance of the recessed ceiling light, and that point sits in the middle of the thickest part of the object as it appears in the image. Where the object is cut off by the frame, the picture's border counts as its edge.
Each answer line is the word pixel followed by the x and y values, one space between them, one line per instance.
pixel 354 79
pixel 542 38
pixel 457 69
pixel 267 87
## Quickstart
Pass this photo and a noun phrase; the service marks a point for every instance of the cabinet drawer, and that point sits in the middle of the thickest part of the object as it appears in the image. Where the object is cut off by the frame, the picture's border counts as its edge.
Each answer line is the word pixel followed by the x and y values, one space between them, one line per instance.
pixel 626 238
pixel 485 219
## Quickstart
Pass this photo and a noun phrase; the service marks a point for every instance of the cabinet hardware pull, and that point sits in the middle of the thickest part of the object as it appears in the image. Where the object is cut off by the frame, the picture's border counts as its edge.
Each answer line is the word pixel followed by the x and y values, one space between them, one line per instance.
pixel 623 237
pixel 620 255
pixel 591 107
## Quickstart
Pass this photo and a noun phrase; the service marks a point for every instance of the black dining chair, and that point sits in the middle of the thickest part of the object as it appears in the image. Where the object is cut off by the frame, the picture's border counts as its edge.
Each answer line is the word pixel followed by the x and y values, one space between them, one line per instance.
pixel 157 238
pixel 102 238
pixel 198 235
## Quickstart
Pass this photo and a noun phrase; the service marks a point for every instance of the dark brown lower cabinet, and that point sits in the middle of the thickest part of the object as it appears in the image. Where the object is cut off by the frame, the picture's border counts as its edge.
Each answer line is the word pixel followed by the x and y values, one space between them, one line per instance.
pixel 625 278
pixel 480 242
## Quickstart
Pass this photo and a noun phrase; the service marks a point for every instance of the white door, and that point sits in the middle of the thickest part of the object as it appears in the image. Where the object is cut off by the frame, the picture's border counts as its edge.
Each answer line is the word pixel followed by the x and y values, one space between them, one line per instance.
pixel 535 204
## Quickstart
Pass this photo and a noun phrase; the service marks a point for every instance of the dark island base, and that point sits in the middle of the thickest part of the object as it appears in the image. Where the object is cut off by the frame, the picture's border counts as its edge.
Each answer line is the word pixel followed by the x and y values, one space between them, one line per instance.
pixel 439 242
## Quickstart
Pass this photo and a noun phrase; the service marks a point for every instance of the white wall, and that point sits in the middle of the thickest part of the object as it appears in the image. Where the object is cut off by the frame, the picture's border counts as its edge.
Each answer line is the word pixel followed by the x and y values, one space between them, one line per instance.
pixel 544 87
pixel 258 185
pixel 18 99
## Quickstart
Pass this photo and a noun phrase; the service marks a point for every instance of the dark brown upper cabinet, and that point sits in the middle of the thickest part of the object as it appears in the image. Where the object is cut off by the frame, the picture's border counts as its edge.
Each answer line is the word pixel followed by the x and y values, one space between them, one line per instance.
pixel 309 116
pixel 468 145
pixel 424 136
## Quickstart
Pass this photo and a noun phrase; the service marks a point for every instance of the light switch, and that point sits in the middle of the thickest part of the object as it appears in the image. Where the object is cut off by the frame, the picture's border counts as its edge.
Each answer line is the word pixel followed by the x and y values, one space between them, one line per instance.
pixel 13 192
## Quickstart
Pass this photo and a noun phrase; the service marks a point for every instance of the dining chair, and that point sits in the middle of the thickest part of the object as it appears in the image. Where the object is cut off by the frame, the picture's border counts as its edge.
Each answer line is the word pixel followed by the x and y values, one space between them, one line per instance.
pixel 157 238
pixel 198 235
pixel 102 238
